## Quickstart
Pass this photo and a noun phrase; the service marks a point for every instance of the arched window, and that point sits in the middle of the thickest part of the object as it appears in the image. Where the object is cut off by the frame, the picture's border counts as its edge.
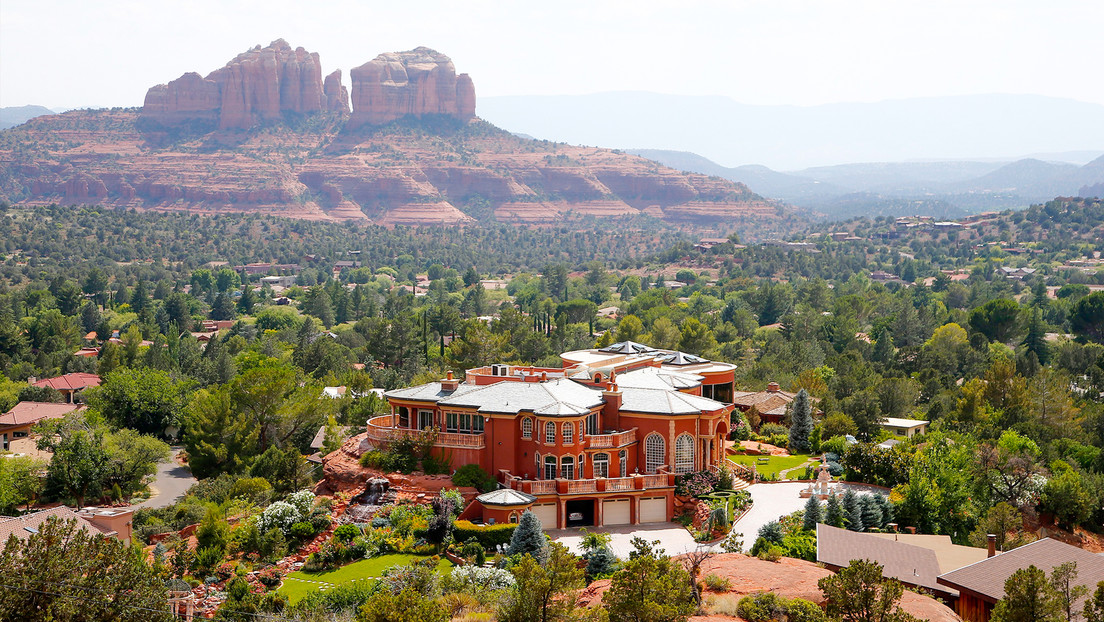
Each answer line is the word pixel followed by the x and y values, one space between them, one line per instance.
pixel 526 428
pixel 684 453
pixel 550 433
pixel 550 467
pixel 623 460
pixel 601 465
pixel 567 467
pixel 568 433
pixel 513 516
pixel 655 449
pixel 582 461
pixel 536 459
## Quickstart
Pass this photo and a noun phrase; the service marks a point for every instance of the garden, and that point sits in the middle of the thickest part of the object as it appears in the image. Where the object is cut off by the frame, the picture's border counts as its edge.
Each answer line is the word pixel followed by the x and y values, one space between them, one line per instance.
pixel 707 504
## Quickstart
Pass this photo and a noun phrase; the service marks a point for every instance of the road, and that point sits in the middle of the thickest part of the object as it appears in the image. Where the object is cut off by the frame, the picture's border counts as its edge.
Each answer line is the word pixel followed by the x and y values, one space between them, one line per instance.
pixel 169 484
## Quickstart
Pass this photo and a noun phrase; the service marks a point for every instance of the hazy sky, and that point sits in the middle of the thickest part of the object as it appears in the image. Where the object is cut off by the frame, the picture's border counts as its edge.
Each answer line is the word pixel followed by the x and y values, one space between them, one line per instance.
pixel 64 54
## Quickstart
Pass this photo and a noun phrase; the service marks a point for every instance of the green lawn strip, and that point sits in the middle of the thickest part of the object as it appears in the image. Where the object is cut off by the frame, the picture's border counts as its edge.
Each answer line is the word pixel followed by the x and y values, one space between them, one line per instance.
pixel 774 464
pixel 297 584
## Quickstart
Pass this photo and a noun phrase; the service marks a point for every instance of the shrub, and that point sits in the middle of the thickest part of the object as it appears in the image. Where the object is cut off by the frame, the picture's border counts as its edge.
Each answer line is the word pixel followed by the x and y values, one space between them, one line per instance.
pixel 280 515
pixel 602 562
pixel 374 459
pixel 801 610
pixel 301 531
pixel 774 429
pixel 771 553
pixel 477 580
pixel 836 445
pixel 487 535
pixel 226 570
pixel 761 607
pixel 346 533
pixel 436 465
pixel 695 483
pixel 475 476
pixel 717 583
pixel 206 559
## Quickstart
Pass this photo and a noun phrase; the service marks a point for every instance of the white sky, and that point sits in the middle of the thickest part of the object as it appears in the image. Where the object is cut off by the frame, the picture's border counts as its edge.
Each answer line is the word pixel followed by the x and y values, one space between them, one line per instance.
pixel 63 54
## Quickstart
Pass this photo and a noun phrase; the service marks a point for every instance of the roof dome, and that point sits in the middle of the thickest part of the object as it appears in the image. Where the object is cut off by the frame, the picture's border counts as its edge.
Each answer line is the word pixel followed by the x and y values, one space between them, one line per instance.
pixel 506 497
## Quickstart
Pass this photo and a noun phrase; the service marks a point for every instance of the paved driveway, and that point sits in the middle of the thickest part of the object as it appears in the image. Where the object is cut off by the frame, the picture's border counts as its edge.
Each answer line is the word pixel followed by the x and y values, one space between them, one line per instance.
pixel 169 484
pixel 773 501
pixel 673 538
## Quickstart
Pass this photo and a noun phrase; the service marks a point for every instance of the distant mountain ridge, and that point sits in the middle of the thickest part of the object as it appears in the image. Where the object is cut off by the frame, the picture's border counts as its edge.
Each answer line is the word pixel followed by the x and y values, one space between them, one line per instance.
pixel 794 137
pixel 18 115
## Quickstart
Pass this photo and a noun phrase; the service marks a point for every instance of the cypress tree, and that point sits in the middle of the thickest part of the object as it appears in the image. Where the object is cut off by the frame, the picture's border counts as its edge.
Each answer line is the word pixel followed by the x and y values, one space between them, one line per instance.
pixel 834 514
pixel 813 514
pixel 802 423
pixel 528 538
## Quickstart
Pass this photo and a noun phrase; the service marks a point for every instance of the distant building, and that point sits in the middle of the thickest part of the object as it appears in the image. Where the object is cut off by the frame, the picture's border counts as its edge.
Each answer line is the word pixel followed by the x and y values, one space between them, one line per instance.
pixel 904 427
pixel 771 403
pixel 110 522
pixel 16 424
pixel 69 384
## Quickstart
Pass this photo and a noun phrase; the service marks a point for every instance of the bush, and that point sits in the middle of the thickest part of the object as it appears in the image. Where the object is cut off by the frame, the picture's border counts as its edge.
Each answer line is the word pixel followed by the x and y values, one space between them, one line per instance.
pixel 801 610
pixel 836 445
pixel 301 531
pixel 206 560
pixel 695 483
pixel 269 577
pixel 346 533
pixel 436 465
pixel 774 429
pixel 717 583
pixel 475 476
pixel 487 535
pixel 761 607
pixel 374 459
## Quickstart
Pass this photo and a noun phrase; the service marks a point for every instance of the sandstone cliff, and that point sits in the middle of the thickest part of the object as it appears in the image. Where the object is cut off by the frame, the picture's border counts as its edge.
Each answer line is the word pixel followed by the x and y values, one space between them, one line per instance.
pixel 257 86
pixel 416 82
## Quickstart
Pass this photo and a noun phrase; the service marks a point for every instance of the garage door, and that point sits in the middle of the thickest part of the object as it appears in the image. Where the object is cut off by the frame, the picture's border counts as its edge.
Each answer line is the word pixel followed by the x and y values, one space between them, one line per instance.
pixel 546 513
pixel 616 512
pixel 653 510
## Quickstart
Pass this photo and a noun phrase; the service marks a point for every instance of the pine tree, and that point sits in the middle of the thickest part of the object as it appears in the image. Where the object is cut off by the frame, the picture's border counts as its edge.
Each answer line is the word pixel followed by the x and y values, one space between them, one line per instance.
pixel 813 513
pixel 1035 341
pixel 871 511
pixel 852 508
pixel 834 514
pixel 802 426
pixel 528 538
pixel 883 349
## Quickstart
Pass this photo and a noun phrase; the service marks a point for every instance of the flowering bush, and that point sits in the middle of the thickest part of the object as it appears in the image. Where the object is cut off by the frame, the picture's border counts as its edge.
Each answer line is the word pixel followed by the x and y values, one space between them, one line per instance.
pixel 302 501
pixel 226 570
pixel 695 483
pixel 476 579
pixel 280 515
pixel 269 577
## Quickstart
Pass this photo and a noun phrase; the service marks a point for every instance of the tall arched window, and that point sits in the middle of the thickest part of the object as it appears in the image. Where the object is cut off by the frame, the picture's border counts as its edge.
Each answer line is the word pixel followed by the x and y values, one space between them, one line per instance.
pixel 655 450
pixel 567 467
pixel 550 467
pixel 601 465
pixel 684 453
pixel 623 463
pixel 550 433
pixel 569 434
pixel 526 428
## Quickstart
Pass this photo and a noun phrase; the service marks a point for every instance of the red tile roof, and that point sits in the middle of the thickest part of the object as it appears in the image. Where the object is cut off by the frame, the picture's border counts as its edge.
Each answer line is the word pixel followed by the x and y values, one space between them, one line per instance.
pixel 23 526
pixel 29 413
pixel 70 382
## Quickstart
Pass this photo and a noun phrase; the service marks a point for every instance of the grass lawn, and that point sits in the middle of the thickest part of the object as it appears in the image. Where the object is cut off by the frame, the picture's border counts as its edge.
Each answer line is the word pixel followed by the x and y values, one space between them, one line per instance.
pixel 773 465
pixel 297 584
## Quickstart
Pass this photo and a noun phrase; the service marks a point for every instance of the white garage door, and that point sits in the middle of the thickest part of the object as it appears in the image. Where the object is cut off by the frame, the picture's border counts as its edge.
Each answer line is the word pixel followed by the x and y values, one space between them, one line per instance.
pixel 653 510
pixel 546 513
pixel 616 512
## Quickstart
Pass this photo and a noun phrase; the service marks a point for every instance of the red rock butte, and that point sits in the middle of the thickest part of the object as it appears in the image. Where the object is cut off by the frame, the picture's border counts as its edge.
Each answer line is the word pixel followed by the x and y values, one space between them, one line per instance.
pixel 264 84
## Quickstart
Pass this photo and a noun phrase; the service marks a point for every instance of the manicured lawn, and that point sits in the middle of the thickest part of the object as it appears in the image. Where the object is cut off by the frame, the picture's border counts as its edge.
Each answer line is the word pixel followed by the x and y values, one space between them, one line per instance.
pixel 297 584
pixel 773 465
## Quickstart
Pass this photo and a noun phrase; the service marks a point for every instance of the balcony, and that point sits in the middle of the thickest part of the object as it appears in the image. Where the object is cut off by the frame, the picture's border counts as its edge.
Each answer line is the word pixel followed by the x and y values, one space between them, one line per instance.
pixel 588 486
pixel 611 440
pixel 380 430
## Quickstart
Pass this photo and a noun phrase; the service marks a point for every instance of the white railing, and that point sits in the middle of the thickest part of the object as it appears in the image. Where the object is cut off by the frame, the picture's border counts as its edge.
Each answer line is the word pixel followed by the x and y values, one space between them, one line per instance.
pixel 542 487
pixel 577 486
pixel 615 439
pixel 619 483
pixel 655 481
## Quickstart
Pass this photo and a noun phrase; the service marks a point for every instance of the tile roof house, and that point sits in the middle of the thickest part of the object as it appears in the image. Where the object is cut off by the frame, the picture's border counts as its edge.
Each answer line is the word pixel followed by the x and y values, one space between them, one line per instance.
pixel 982 584
pixel 69 384
pixel 596 442
pixel 771 403
pixel 17 422
pixel 114 522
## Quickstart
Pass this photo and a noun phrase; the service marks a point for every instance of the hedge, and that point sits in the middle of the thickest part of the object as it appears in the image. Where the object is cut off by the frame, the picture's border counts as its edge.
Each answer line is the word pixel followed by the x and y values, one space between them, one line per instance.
pixel 487 535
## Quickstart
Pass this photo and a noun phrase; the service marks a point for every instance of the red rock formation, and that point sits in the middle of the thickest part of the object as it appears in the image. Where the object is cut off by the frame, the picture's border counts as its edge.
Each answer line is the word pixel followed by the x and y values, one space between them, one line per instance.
pixel 337 96
pixel 416 82
pixel 256 86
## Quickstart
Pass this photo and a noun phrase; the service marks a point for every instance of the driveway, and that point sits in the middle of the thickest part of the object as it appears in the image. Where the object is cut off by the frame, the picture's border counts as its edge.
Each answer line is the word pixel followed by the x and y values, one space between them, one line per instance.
pixel 772 501
pixel 169 484
pixel 674 539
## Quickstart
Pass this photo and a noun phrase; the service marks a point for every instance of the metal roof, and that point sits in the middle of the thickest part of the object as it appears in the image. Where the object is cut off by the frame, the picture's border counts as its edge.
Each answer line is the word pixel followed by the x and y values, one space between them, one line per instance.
pixel 505 497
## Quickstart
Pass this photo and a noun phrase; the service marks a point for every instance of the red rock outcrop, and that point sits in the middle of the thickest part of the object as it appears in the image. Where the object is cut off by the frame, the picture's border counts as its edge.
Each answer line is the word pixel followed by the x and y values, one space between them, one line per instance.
pixel 256 86
pixel 416 82
pixel 337 96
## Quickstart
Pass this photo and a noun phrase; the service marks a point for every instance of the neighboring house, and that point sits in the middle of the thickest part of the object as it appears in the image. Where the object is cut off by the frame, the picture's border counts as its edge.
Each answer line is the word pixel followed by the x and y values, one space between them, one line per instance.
pixel 904 427
pixel 596 442
pixel 16 424
pixel 981 585
pixel 112 522
pixel 917 564
pixel 771 404
pixel 69 384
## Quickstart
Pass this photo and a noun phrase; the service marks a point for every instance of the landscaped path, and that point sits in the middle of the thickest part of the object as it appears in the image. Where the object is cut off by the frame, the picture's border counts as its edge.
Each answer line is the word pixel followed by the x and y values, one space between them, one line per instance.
pixel 169 484
pixel 673 538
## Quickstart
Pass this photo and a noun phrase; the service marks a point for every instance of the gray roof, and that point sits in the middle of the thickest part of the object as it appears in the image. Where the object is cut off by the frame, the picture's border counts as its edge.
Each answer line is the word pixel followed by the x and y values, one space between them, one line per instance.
pixel 555 397
pixel 907 563
pixel 987 577
pixel 657 378
pixel 505 497
pixel 627 347
pixel 428 392
pixel 665 402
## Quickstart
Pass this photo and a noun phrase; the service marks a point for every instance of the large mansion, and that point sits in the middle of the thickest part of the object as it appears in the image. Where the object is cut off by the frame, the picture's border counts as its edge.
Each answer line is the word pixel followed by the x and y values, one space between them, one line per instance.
pixel 596 442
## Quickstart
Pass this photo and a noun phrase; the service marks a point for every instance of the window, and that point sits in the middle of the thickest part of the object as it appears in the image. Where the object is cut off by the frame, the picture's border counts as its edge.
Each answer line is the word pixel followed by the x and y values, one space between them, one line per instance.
pixel 592 423
pixel 568 433
pixel 526 428
pixel 425 419
pixel 513 517
pixel 567 467
pixel 550 433
pixel 450 422
pixel 601 465
pixel 582 461
pixel 477 424
pixel 550 467
pixel 465 424
pixel 684 454
pixel 404 417
pixel 623 459
pixel 655 448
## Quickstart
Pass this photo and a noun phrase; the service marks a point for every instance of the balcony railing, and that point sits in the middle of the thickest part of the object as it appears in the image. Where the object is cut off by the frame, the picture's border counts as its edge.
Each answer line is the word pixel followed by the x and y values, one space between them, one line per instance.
pixel 540 487
pixel 380 430
pixel 619 483
pixel 615 439
pixel 579 486
pixel 586 486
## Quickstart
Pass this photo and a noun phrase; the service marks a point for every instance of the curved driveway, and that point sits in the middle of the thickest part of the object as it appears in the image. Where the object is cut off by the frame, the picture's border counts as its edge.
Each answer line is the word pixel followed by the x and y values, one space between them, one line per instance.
pixel 169 484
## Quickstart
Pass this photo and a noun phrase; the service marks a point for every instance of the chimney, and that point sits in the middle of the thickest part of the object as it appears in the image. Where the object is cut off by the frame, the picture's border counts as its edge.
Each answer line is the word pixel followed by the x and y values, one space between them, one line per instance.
pixel 772 387
pixel 611 410
pixel 992 539
pixel 449 383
